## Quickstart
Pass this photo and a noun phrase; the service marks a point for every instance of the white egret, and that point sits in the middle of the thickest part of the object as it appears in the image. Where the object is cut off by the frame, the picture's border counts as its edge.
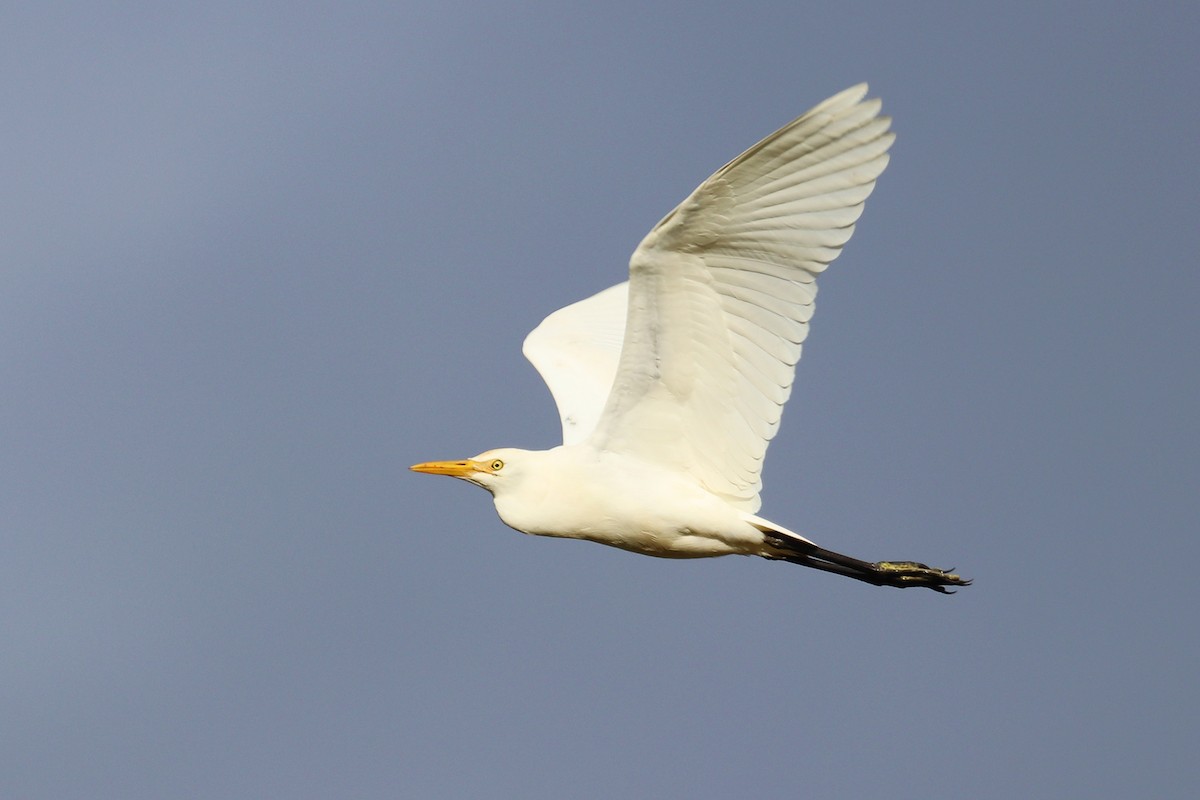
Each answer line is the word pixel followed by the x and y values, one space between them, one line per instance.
pixel 670 386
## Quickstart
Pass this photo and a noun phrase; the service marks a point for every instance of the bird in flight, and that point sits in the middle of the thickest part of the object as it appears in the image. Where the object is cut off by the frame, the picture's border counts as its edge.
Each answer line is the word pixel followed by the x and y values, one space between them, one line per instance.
pixel 669 386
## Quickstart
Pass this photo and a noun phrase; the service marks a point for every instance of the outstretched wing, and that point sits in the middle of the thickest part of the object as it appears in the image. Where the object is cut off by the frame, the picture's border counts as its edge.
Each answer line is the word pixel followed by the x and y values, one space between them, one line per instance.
pixel 576 351
pixel 721 292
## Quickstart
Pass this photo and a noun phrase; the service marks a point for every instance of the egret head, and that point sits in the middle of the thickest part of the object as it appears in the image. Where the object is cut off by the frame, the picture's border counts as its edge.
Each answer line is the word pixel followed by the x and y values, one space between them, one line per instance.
pixel 491 469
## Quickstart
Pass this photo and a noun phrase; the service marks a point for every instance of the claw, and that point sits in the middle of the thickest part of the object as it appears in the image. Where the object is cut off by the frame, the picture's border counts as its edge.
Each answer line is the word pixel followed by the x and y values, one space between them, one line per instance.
pixel 913 573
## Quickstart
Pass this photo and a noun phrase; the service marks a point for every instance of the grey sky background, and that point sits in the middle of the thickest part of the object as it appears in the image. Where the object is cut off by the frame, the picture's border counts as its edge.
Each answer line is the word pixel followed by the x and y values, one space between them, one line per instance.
pixel 258 258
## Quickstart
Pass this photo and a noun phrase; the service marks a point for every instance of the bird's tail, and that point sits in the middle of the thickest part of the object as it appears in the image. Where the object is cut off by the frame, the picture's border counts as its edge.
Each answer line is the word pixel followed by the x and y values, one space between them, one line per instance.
pixel 780 544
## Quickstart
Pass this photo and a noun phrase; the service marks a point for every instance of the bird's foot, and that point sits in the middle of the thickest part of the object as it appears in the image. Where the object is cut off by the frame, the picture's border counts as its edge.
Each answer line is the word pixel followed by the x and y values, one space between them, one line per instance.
pixel 903 574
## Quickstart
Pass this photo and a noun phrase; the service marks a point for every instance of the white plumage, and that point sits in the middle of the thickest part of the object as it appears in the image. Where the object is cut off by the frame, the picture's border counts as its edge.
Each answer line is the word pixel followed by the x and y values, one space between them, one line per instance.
pixel 670 386
pixel 576 351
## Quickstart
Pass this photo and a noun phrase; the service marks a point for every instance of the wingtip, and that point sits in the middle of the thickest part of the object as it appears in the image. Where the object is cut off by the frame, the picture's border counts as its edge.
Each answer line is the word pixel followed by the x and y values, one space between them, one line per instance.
pixel 847 98
pixel 856 92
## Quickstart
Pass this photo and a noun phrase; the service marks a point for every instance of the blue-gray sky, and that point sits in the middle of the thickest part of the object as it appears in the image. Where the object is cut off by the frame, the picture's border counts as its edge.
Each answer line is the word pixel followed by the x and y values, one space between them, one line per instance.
pixel 258 258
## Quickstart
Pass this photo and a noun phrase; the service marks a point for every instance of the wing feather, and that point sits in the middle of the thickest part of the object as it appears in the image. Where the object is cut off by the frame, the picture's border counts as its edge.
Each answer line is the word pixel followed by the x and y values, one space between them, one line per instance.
pixel 721 293
pixel 575 350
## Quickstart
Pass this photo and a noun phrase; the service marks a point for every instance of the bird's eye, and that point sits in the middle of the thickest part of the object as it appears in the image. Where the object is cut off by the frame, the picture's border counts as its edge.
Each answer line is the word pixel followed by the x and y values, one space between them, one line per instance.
pixel 497 465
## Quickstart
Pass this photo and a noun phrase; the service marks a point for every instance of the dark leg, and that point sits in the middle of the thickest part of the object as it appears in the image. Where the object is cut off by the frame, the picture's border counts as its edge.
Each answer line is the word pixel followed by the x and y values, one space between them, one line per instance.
pixel 901 574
